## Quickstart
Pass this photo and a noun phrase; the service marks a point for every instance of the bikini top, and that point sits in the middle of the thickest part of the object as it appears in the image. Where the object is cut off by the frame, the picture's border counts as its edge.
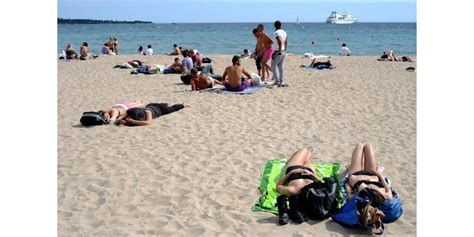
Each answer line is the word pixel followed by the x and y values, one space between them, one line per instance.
pixel 367 182
pixel 300 176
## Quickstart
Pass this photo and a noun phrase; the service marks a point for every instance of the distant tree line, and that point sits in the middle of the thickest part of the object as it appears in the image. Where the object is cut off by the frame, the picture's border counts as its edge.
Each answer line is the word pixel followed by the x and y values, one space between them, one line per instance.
pixel 90 21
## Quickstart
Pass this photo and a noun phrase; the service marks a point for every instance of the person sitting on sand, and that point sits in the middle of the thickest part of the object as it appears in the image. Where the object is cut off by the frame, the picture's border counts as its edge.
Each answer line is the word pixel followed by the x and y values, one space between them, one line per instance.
pixel 232 77
pixel 200 80
pixel 84 51
pixel 364 173
pixel 197 59
pixel 176 50
pixel 119 110
pixel 299 173
pixel 144 116
pixel 70 52
pixel 106 50
pixel 149 50
pixel 344 51
pixel 187 65
pixel 320 65
pixel 175 67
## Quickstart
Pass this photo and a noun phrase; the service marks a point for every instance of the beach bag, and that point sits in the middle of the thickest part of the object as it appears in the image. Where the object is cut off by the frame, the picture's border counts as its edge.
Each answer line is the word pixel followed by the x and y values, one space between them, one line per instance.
pixel 362 210
pixel 93 118
pixel 206 60
pixel 319 199
pixel 392 209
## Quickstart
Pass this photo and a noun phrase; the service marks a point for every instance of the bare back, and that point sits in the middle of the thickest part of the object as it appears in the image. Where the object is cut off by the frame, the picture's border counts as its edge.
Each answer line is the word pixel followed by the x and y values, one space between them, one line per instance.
pixel 234 75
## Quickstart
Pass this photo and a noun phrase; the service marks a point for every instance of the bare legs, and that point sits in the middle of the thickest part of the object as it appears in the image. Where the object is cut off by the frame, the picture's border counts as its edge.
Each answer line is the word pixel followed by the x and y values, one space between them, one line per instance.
pixel 266 68
pixel 363 158
pixel 301 157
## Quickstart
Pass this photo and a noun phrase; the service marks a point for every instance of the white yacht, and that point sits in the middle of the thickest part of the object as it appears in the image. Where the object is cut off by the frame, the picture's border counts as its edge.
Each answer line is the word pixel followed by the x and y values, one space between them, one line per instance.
pixel 336 18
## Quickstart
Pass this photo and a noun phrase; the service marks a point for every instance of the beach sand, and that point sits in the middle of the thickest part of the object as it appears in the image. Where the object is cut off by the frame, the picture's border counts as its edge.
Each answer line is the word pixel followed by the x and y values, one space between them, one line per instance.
pixel 196 171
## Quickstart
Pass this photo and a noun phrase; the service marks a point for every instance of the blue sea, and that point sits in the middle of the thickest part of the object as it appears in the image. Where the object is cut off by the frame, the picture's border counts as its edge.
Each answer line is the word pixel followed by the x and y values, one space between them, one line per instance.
pixel 232 38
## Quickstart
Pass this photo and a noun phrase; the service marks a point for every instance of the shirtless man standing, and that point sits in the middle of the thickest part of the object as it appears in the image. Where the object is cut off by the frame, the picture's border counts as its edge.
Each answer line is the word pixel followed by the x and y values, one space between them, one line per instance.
pixel 200 80
pixel 266 51
pixel 232 76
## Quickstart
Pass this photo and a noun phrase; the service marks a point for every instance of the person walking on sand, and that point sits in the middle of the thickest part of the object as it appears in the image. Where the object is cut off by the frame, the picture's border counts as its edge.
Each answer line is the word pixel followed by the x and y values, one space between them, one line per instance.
pixel 257 52
pixel 279 56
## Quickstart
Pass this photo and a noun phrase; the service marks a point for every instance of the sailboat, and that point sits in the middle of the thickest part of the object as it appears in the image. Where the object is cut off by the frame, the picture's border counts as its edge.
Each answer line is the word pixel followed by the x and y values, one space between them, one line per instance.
pixel 297 20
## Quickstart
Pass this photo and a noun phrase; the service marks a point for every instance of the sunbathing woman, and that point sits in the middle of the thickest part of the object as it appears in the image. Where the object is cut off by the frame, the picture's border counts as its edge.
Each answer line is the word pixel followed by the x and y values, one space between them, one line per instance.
pixel 319 65
pixel 299 173
pixel 364 173
pixel 145 116
pixel 119 110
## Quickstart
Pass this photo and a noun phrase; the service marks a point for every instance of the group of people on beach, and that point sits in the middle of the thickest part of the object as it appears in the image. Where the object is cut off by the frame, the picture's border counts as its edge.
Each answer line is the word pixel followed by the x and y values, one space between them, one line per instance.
pixel 69 53
pixel 111 47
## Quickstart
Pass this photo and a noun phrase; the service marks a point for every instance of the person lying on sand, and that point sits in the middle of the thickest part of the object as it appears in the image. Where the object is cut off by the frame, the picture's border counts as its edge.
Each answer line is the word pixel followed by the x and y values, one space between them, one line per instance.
pixel 144 116
pixel 389 55
pixel 364 173
pixel 319 65
pixel 232 77
pixel 299 173
pixel 129 64
pixel 200 80
pixel 145 69
pixel 119 110
pixel 175 67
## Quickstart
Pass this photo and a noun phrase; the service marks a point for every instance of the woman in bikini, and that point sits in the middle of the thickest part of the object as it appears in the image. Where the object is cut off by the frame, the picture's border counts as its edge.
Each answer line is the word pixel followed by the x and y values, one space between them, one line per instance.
pixel 299 173
pixel 364 173
pixel 119 110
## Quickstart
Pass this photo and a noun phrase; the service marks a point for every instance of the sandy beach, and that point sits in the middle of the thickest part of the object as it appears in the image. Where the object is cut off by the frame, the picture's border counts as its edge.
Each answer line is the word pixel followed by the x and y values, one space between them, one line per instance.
pixel 196 172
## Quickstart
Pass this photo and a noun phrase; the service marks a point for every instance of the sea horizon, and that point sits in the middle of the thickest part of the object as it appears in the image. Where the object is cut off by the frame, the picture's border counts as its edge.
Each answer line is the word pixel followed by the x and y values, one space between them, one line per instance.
pixel 363 38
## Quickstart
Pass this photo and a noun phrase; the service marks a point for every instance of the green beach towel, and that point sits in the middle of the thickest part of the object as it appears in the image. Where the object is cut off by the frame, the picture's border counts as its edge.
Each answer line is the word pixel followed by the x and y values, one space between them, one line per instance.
pixel 274 170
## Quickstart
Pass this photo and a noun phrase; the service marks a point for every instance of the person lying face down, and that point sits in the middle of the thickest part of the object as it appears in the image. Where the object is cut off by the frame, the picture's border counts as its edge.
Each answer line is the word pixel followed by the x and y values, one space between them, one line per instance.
pixel 145 116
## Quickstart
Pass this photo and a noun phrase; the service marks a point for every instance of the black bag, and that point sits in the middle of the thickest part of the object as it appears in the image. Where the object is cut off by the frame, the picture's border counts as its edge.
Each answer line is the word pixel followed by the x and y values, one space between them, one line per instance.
pixel 206 60
pixel 319 199
pixel 93 118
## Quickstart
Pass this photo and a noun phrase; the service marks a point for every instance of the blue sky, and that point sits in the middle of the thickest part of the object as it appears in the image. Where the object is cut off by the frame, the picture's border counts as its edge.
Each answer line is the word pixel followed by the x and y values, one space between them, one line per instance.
pixel 181 11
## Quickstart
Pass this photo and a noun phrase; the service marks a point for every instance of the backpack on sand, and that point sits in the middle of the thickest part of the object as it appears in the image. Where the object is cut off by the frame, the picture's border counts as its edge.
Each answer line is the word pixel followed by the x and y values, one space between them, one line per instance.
pixel 319 199
pixel 93 118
